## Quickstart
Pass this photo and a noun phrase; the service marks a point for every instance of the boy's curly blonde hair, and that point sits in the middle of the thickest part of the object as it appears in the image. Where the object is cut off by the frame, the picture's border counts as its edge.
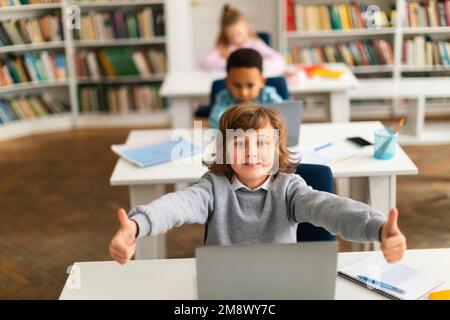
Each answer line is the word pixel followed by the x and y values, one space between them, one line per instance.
pixel 246 116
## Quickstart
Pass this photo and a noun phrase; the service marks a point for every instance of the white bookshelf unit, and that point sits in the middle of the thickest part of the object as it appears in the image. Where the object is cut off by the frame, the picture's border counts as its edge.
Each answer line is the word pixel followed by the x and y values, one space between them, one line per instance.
pixel 67 90
pixel 396 79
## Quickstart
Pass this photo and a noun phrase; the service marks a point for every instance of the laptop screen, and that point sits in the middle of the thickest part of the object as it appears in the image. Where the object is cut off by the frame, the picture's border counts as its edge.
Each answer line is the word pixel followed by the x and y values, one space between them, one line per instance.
pixel 291 112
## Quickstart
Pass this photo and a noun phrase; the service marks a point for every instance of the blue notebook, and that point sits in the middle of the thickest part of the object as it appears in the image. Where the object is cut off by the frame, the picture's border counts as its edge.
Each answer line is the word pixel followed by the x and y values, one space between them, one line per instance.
pixel 156 153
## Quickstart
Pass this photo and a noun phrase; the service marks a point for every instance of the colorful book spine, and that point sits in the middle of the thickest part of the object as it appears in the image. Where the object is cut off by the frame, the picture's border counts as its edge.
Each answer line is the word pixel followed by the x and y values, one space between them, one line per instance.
pixel 28 107
pixel 43 66
pixel 340 16
pixel 113 62
pixel 31 30
pixel 122 99
pixel 358 53
pixel 146 23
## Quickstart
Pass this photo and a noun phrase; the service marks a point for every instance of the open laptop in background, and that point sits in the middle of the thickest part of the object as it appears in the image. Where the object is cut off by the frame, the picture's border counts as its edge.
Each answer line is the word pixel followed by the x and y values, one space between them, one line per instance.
pixel 291 112
pixel 304 270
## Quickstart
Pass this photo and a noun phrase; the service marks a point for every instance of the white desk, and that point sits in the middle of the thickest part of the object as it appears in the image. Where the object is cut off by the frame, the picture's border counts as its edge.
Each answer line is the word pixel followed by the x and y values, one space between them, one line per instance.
pixel 372 181
pixel 185 87
pixel 175 279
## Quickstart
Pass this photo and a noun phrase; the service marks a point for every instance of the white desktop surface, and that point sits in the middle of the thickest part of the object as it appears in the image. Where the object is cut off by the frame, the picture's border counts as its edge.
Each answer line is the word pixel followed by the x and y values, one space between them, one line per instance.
pixel 362 165
pixel 176 278
pixel 197 83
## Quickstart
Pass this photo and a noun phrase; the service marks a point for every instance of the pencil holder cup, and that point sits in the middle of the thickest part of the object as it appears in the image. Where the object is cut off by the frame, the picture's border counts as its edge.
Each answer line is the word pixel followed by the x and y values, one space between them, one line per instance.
pixel 385 144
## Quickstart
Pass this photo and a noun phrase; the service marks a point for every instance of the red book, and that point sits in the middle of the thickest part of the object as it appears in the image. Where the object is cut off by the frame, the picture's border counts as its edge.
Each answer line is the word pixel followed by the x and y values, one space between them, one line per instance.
pixel 447 11
pixel 290 17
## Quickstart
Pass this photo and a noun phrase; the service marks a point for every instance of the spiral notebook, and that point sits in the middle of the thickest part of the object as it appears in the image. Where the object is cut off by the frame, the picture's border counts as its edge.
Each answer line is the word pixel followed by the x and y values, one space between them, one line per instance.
pixel 396 281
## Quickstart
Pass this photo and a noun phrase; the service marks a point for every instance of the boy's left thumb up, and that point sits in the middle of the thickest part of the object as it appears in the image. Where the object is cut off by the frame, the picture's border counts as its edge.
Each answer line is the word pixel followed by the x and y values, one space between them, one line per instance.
pixel 391 224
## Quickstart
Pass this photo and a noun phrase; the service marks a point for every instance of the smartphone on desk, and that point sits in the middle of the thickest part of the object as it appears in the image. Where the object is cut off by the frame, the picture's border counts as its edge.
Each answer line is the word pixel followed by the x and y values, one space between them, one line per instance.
pixel 360 142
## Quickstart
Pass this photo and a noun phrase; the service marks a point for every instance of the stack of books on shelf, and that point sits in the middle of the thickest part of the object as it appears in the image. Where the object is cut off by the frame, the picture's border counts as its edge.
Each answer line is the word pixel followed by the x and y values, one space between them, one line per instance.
pixel 147 23
pixel 358 53
pixel 430 13
pixel 10 3
pixel 121 61
pixel 343 16
pixel 29 107
pixel 422 51
pixel 31 30
pixel 119 99
pixel 32 67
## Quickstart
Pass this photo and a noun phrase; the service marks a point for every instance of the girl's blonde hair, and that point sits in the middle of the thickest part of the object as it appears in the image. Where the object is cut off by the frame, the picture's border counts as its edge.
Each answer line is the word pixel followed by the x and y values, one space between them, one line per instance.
pixel 230 16
pixel 251 116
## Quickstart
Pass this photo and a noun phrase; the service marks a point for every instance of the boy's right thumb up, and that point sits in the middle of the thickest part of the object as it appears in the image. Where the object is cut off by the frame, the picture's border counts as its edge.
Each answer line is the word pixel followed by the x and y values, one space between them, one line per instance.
pixel 123 219
pixel 127 227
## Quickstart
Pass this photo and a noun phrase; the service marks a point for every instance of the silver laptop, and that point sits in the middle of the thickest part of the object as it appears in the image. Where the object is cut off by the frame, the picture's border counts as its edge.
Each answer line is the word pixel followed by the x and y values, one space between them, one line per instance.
pixel 291 112
pixel 304 270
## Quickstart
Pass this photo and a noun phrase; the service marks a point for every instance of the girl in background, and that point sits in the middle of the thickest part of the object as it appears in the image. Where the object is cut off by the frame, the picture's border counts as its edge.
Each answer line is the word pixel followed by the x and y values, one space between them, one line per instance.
pixel 235 33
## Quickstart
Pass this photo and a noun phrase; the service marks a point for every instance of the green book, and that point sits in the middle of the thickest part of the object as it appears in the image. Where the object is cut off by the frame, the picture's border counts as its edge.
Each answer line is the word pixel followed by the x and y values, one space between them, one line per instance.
pixel 335 18
pixel 132 27
pixel 102 101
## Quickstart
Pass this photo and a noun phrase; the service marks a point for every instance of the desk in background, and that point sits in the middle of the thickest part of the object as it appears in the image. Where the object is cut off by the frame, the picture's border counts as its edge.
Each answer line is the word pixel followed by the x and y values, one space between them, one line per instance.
pixel 175 279
pixel 185 87
pixel 372 181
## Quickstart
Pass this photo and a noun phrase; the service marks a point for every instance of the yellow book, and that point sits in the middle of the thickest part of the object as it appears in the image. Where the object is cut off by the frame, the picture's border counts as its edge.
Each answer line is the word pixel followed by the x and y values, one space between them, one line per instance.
pixel 440 295
pixel 106 64
pixel 345 19
pixel 325 21
pixel 326 73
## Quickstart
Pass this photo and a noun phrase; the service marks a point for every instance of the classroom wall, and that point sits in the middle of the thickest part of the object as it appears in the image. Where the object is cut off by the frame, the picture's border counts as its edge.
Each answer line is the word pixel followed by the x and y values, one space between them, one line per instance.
pixel 205 17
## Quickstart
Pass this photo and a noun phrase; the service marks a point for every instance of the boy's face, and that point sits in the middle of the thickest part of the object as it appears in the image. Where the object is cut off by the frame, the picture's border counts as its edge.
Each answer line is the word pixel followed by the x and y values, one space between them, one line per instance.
pixel 252 154
pixel 245 83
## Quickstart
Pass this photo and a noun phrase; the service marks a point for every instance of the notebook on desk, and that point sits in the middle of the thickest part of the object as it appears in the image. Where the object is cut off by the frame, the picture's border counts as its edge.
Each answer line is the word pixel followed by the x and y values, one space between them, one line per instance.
pixel 326 152
pixel 396 281
pixel 148 154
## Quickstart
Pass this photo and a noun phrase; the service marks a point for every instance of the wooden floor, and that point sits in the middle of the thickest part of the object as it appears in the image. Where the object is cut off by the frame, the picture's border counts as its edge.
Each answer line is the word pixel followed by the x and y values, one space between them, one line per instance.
pixel 57 207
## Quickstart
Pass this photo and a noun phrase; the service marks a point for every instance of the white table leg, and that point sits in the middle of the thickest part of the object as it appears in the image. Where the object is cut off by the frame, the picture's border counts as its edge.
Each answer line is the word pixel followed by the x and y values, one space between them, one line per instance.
pixel 415 120
pixel 151 247
pixel 343 187
pixel 359 191
pixel 339 107
pixel 180 110
pixel 382 195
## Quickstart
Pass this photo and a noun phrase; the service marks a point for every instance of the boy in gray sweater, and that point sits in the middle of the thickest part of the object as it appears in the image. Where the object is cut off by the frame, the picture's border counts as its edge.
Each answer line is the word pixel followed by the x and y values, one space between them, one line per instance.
pixel 253 197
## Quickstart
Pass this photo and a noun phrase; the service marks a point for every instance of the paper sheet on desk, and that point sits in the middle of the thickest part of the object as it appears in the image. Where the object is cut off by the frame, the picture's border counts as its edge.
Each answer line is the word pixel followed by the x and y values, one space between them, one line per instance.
pixel 415 283
pixel 328 155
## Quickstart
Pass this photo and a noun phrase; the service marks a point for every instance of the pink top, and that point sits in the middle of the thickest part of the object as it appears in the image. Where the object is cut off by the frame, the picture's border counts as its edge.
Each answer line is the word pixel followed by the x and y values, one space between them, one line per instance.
pixel 273 61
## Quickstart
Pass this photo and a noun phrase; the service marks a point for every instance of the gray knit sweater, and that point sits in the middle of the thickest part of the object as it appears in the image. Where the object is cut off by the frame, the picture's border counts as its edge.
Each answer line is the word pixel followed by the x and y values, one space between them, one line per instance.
pixel 260 216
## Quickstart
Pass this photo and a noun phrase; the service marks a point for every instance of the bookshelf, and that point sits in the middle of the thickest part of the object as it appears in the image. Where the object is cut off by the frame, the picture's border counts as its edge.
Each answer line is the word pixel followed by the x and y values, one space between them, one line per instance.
pixel 67 90
pixel 418 71
pixel 419 22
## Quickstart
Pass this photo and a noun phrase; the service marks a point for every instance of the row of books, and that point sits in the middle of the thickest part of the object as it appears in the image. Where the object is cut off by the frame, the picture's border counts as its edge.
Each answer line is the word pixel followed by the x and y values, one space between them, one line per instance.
pixel 31 30
pixel 430 13
pixel 344 16
pixel 358 53
pixel 146 23
pixel 123 61
pixel 10 3
pixel 35 67
pixel 29 107
pixel 422 51
pixel 119 99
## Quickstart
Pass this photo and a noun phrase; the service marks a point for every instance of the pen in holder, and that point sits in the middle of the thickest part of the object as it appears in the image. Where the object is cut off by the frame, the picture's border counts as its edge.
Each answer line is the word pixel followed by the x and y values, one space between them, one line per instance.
pixel 386 141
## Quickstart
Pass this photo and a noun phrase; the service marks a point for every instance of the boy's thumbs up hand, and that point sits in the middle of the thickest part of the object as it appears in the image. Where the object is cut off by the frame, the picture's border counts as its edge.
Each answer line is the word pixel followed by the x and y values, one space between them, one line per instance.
pixel 123 244
pixel 393 242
